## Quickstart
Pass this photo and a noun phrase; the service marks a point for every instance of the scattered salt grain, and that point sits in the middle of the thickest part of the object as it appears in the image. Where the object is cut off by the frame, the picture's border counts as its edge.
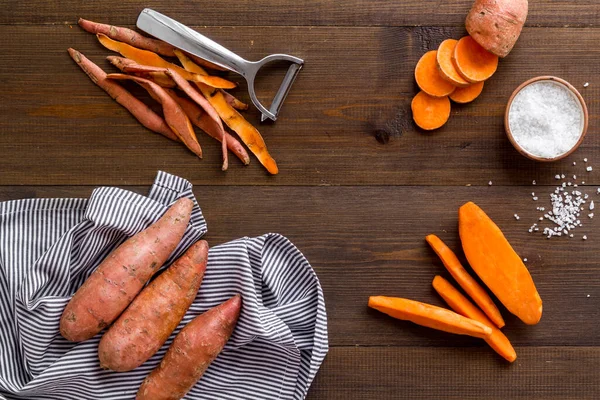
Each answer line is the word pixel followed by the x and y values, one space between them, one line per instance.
pixel 517 217
pixel 574 177
pixel 591 215
pixel 584 237
pixel 490 183
pixel 588 295
pixel 589 169
pixel 557 176
pixel 563 176
pixel 574 162
pixel 591 204
pixel 524 260
pixel 586 85
pixel 571 235
pixel 585 160
pixel 535 198
pixel 533 183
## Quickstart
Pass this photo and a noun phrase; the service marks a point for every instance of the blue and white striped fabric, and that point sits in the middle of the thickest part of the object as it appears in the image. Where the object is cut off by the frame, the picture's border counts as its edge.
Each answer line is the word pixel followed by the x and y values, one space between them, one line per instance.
pixel 48 247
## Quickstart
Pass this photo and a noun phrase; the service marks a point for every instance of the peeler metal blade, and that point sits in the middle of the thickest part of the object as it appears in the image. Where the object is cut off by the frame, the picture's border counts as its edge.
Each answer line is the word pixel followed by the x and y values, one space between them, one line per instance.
pixel 190 41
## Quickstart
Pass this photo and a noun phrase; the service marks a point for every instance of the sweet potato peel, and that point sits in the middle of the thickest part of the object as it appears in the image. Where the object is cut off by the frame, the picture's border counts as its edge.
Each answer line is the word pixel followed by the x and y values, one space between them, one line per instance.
pixel 248 133
pixel 148 58
pixel 176 118
pixel 139 110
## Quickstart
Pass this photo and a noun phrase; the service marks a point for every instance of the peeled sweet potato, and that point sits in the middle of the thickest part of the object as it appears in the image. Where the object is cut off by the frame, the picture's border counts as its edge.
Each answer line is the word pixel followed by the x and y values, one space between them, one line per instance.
pixel 192 351
pixel 121 276
pixel 154 314
pixel 497 24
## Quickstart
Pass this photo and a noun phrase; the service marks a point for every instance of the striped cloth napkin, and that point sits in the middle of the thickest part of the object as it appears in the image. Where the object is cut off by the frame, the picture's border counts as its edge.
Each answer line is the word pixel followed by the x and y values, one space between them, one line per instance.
pixel 48 247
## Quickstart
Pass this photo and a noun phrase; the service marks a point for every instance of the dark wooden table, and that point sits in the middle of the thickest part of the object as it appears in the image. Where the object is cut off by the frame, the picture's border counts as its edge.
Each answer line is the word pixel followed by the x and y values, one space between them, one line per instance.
pixel 359 187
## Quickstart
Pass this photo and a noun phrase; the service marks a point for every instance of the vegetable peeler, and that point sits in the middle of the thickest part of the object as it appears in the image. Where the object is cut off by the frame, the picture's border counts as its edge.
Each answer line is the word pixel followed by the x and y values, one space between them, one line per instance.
pixel 190 41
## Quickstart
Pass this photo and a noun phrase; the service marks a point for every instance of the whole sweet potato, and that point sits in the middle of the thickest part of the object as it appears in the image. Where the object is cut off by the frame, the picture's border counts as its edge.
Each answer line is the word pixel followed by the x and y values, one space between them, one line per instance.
pixel 121 276
pixel 154 314
pixel 496 24
pixel 192 351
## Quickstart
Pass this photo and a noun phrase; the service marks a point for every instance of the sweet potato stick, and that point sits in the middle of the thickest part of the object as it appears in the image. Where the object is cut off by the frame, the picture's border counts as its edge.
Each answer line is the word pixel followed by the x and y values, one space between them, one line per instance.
pixel 139 110
pixel 249 135
pixel 465 281
pixel 159 78
pixel 199 118
pixel 128 36
pixel 429 316
pixel 459 303
pixel 145 57
pixel 176 118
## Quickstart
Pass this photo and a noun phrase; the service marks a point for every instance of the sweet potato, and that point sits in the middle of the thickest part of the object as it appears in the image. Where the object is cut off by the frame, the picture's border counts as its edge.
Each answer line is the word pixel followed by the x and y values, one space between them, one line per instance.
pixel 429 79
pixel 429 112
pixel 462 277
pixel 121 276
pixel 139 110
pixel 497 24
pixel 233 119
pixel 128 36
pixel 445 65
pixel 473 62
pixel 429 316
pixel 497 264
pixel 199 118
pixel 234 102
pixel 467 94
pixel 192 351
pixel 459 303
pixel 176 118
pixel 154 314
pixel 148 58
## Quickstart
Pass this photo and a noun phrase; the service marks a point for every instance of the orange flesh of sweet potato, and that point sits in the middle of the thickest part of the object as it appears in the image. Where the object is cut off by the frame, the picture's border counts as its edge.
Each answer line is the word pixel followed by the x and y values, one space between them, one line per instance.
pixel 154 314
pixel 199 118
pixel 497 264
pixel 233 119
pixel 468 94
pixel 428 77
pixel 139 110
pixel 148 58
pixel 192 351
pixel 429 112
pixel 429 316
pixel 121 276
pixel 497 24
pixel 462 277
pixel 446 66
pixel 473 62
pixel 176 118
pixel 459 303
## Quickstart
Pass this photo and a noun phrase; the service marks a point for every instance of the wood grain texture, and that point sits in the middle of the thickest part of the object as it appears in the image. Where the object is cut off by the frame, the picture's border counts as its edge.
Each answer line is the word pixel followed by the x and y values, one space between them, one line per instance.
pixel 290 12
pixel 365 241
pixel 71 132
pixel 539 373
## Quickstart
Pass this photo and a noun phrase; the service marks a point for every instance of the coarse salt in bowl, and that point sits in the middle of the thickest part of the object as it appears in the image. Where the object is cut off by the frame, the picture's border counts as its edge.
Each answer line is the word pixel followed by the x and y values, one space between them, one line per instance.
pixel 546 118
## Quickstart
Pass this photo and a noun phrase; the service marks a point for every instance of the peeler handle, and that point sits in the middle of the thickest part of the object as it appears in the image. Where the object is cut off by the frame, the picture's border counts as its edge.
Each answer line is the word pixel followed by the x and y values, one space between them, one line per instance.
pixel 180 36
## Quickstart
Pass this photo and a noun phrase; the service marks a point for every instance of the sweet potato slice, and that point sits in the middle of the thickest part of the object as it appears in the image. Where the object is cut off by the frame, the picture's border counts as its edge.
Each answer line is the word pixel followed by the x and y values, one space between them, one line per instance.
pixel 497 264
pixel 429 112
pixel 429 79
pixel 445 65
pixel 429 316
pixel 473 62
pixel 467 94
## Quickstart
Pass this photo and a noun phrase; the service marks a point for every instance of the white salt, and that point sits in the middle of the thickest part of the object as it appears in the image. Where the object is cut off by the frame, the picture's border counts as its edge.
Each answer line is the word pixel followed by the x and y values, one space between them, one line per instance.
pixel 546 119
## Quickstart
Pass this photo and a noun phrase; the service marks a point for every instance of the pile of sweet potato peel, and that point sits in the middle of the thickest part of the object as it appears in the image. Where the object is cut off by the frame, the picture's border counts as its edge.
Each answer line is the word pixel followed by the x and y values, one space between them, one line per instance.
pixel 187 93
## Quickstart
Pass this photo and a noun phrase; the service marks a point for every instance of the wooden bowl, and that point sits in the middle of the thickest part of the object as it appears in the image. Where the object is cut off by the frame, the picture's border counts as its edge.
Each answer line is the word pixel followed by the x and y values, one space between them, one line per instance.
pixel 568 86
